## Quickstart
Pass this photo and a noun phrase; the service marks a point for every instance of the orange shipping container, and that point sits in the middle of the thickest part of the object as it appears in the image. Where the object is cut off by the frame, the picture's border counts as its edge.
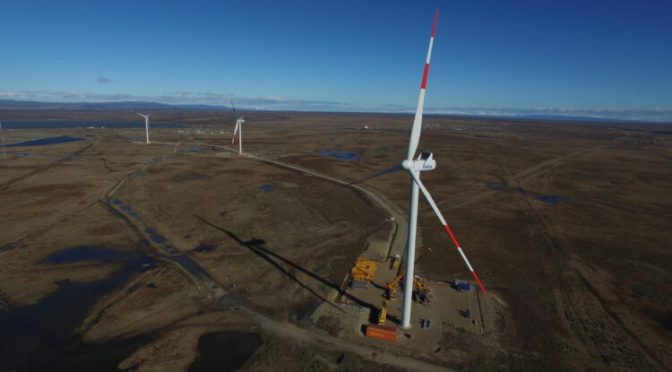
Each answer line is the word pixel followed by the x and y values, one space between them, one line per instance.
pixel 381 332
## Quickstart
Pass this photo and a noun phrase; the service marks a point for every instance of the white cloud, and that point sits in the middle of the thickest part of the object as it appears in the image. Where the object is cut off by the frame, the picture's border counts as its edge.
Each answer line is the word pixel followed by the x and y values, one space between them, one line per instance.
pixel 654 114
pixel 104 80
pixel 174 98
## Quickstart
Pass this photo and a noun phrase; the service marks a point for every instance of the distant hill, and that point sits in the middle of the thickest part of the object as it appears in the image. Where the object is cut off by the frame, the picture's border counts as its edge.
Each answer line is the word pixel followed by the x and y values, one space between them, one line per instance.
pixel 135 106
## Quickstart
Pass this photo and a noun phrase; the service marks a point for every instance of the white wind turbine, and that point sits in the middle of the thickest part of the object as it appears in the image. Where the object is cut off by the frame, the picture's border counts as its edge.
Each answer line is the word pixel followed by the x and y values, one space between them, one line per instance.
pixel 424 162
pixel 146 124
pixel 238 129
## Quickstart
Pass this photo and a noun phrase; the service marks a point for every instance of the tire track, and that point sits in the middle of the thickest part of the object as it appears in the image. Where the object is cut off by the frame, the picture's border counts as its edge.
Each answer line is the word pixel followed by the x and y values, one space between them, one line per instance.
pixel 562 262
pixel 471 196
pixel 44 168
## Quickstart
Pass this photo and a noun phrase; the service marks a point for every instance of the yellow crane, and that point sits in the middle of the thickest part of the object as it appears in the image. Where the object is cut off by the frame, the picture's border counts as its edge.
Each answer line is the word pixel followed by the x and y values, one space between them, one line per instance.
pixel 392 286
pixel 420 284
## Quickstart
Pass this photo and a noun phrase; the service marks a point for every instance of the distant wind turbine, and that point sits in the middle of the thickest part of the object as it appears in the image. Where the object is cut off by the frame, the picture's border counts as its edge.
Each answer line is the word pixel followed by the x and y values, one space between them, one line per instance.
pixel 146 124
pixel 238 129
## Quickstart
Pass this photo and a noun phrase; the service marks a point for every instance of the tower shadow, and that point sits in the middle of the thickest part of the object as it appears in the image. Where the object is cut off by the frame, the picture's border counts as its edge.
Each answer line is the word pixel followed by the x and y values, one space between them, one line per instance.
pixel 258 247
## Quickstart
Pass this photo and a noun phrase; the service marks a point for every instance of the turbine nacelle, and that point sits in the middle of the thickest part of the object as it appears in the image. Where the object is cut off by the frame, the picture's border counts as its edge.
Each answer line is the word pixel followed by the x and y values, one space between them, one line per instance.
pixel 424 162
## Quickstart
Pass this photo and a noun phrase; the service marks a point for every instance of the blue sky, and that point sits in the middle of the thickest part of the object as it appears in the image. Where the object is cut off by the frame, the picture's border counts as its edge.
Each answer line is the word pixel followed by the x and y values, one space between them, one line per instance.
pixel 597 58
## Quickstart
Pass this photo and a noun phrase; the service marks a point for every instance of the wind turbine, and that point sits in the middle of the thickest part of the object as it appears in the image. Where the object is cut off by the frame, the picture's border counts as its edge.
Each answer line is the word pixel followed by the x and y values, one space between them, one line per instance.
pixel 238 129
pixel 424 162
pixel 146 124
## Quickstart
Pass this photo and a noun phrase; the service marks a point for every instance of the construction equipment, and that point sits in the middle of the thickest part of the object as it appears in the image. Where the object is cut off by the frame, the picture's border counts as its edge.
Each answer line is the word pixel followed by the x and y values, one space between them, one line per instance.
pixel 364 270
pixel 391 287
pixel 395 261
pixel 382 315
pixel 423 290
pixel 462 286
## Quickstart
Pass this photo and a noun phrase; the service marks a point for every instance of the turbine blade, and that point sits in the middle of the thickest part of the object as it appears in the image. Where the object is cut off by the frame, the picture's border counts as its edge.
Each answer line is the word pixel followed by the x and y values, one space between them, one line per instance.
pixel 396 168
pixel 234 109
pixel 235 130
pixel 438 213
pixel 417 120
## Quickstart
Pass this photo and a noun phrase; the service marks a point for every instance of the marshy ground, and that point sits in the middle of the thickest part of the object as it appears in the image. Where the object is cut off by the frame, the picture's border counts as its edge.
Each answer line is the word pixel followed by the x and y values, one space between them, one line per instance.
pixel 147 257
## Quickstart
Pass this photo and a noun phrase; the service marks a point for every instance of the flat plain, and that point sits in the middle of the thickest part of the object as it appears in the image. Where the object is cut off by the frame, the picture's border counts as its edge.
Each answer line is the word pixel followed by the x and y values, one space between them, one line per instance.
pixel 131 256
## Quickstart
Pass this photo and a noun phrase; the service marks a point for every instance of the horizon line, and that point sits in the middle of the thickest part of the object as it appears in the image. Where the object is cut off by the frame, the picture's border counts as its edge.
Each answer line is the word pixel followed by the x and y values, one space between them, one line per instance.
pixel 656 115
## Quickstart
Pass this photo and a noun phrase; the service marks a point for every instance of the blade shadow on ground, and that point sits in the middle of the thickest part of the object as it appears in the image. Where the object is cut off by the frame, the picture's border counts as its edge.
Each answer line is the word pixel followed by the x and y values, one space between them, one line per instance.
pixel 258 247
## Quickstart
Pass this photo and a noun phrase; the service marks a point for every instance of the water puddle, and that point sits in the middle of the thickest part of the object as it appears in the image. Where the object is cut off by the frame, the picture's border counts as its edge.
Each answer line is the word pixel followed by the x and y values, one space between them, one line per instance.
pixel 8 247
pixel 267 187
pixel 24 155
pixel 551 199
pixel 87 253
pixel 548 199
pixel 155 236
pixel 204 248
pixel 667 323
pixel 338 154
pixel 497 186
pixel 54 124
pixel 225 351
pixel 47 328
pixel 45 141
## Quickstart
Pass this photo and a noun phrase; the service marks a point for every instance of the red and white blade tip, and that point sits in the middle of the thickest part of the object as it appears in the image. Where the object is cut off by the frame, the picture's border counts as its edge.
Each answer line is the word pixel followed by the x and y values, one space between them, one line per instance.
pixel 436 20
pixel 466 260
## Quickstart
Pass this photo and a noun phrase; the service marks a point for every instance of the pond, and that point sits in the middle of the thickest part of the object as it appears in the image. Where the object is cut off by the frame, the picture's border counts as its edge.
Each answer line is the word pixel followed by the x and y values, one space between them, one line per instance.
pixel 548 199
pixel 48 328
pixel 267 187
pixel 87 253
pixel 55 124
pixel 551 199
pixel 44 141
pixel 204 248
pixel 339 154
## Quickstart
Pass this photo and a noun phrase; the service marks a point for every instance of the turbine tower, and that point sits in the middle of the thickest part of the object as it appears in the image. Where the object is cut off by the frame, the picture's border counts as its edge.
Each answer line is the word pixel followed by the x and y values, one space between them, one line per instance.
pixel 422 163
pixel 146 124
pixel 238 129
